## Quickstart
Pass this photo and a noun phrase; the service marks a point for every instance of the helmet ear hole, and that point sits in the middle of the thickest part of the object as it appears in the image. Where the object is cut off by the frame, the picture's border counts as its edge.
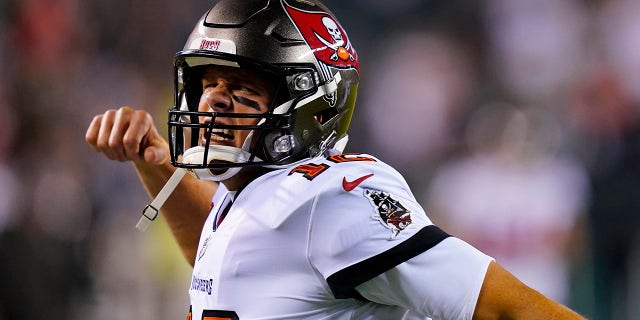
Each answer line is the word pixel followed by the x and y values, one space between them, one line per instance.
pixel 325 115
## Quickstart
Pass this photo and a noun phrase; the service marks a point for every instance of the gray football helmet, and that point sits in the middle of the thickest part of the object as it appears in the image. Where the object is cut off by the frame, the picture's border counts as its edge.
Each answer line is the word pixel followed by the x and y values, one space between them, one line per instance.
pixel 298 43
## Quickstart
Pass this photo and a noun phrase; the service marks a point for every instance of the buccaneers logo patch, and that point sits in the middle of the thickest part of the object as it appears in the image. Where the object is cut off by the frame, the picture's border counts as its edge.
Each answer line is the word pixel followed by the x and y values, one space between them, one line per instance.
pixel 389 211
pixel 325 37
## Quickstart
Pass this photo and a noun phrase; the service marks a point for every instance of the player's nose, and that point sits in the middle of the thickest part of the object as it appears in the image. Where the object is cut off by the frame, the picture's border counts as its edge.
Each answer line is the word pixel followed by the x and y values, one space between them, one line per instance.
pixel 216 98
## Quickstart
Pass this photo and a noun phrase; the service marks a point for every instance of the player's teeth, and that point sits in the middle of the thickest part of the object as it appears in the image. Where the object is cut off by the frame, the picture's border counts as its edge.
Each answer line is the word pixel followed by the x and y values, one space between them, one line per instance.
pixel 217 138
pixel 221 134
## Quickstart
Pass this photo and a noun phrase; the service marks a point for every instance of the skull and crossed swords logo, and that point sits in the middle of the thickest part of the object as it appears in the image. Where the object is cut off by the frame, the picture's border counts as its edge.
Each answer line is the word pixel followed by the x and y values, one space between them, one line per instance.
pixel 389 211
pixel 340 48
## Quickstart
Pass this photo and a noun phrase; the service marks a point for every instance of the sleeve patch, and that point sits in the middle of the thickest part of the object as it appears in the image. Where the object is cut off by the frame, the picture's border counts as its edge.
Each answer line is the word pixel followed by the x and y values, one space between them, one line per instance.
pixel 389 211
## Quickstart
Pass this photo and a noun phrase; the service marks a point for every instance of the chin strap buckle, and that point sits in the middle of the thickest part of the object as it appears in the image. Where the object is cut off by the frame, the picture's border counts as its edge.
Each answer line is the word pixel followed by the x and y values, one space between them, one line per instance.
pixel 150 212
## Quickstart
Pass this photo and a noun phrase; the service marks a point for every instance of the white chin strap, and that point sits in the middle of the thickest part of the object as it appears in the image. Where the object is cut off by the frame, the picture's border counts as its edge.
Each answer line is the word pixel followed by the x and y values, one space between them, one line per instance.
pixel 150 212
pixel 220 153
pixel 191 156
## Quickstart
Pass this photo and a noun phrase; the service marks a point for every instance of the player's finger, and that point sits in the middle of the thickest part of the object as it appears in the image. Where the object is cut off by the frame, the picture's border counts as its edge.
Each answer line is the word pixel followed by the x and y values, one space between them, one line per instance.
pixel 120 127
pixel 136 138
pixel 91 136
pixel 106 126
pixel 155 155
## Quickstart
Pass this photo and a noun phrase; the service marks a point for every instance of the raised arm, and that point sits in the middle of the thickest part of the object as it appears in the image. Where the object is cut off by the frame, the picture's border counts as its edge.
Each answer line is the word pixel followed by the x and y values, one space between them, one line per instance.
pixel 504 297
pixel 130 135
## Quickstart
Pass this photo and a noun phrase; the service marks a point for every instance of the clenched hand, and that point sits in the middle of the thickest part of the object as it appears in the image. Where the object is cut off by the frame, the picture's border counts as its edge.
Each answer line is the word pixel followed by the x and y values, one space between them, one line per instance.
pixel 127 134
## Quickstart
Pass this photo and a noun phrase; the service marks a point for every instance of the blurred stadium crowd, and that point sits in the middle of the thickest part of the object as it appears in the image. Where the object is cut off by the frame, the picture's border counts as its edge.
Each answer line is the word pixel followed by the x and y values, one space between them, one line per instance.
pixel 517 123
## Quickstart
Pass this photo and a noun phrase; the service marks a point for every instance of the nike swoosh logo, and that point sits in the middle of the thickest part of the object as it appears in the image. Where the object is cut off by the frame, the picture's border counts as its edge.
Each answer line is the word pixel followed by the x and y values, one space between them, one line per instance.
pixel 350 185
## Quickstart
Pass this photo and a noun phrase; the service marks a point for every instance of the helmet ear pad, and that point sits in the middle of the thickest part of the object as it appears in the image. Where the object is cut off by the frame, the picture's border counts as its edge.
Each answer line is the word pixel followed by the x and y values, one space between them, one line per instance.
pixel 316 123
pixel 311 119
pixel 327 121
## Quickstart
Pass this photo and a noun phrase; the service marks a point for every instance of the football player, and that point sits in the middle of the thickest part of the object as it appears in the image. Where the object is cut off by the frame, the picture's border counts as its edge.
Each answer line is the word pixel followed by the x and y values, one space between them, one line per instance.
pixel 277 222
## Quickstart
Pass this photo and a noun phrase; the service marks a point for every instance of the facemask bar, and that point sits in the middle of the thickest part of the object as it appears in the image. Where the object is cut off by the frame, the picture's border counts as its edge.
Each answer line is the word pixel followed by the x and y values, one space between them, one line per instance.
pixel 184 135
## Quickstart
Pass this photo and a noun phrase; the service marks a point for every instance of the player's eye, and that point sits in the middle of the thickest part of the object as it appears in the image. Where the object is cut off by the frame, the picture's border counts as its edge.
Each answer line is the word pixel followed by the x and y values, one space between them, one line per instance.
pixel 247 89
pixel 208 85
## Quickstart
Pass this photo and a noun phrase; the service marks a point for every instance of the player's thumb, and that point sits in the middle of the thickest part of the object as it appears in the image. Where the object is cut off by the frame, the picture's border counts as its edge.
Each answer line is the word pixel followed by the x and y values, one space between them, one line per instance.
pixel 156 155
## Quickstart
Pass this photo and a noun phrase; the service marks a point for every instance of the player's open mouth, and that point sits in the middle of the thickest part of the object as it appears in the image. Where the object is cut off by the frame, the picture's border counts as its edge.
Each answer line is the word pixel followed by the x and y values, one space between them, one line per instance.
pixel 222 135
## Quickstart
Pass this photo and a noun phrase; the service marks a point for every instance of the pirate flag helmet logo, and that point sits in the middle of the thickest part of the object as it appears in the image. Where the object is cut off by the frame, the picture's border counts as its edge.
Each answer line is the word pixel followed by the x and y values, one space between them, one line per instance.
pixel 389 211
pixel 325 36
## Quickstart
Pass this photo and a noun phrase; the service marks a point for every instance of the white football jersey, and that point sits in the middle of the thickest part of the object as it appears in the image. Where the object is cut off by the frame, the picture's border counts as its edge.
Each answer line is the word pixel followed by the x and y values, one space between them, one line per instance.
pixel 330 238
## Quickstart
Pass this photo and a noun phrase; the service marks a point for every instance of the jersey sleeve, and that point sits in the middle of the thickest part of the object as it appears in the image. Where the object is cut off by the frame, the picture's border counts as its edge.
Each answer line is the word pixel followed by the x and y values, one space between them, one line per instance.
pixel 442 283
pixel 365 222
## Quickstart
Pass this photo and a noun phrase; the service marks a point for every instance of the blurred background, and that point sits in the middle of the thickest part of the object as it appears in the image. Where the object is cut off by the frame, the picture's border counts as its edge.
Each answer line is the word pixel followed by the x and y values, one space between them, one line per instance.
pixel 516 122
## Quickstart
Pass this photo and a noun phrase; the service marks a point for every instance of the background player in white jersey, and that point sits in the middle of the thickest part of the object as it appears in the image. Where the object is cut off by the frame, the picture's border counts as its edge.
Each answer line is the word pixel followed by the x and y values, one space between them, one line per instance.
pixel 276 221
